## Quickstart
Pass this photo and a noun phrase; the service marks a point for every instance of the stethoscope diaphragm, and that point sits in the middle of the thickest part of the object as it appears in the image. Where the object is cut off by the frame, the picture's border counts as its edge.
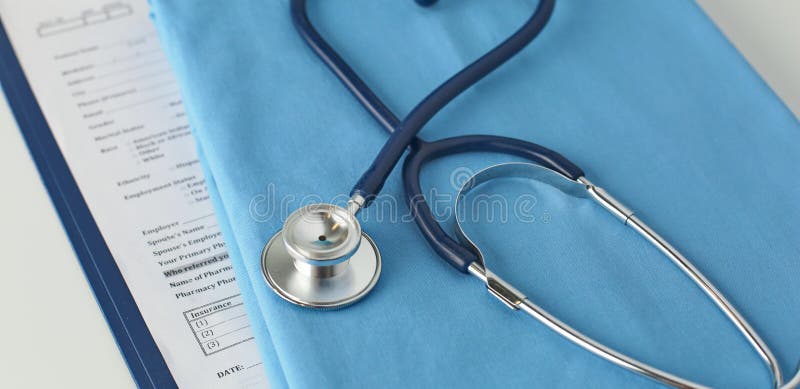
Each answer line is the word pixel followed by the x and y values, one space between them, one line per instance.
pixel 321 258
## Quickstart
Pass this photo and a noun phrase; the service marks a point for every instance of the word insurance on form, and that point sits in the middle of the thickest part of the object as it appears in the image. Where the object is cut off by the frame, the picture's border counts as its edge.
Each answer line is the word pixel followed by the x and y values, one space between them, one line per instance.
pixel 107 93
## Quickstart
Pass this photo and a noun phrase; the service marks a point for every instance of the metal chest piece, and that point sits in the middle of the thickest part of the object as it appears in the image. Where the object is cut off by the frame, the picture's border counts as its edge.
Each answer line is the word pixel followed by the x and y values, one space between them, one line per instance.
pixel 321 258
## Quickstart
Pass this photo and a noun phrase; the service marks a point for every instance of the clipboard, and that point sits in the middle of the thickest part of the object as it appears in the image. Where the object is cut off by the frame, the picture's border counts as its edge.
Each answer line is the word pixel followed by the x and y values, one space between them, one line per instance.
pixel 135 342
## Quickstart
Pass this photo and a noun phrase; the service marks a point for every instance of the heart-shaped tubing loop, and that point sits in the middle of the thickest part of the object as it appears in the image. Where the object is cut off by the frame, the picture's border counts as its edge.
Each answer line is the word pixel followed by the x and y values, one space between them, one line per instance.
pixel 422 151
pixel 404 133
pixel 582 187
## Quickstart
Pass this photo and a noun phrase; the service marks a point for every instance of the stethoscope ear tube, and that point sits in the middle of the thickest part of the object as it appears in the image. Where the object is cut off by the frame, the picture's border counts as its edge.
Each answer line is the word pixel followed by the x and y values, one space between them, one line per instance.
pixel 582 187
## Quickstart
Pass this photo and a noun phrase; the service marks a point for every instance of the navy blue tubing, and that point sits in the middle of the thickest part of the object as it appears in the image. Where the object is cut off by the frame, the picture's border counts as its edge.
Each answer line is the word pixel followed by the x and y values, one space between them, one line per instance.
pixel 422 152
pixel 449 249
pixel 341 69
pixel 371 182
pixel 426 3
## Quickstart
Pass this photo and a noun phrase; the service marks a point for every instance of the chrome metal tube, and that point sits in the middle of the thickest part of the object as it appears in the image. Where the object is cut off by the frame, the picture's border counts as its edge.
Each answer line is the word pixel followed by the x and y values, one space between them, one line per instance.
pixel 575 336
pixel 706 286
pixel 605 352
pixel 617 209
pixel 795 381
pixel 516 300
pixel 355 204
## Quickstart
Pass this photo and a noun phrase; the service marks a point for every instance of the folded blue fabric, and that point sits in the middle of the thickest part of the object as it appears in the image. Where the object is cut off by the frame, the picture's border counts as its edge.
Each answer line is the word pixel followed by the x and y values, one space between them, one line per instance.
pixel 648 97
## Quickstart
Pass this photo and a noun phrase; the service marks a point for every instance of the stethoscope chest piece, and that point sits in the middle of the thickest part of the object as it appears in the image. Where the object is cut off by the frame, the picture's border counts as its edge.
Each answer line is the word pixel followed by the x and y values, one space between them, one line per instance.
pixel 321 258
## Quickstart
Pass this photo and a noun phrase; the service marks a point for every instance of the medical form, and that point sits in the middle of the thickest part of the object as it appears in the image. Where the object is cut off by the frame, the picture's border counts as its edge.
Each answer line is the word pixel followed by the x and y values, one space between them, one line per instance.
pixel 108 94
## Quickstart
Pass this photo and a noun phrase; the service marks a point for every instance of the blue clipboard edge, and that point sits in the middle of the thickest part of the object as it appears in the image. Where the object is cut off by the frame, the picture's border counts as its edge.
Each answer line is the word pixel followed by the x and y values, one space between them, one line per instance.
pixel 146 364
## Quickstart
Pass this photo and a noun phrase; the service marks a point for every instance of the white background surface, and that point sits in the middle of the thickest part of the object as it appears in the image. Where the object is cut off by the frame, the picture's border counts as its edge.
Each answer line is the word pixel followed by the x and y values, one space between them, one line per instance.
pixel 53 332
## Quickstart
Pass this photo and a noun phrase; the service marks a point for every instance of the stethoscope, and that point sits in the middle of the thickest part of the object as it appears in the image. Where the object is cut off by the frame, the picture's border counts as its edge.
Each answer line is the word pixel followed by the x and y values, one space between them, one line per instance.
pixel 322 259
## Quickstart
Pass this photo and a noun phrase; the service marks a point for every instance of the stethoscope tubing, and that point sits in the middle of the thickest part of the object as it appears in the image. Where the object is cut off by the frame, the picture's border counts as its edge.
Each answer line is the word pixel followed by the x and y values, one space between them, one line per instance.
pixel 449 249
pixel 373 179
pixel 364 94
pixel 404 132
pixel 421 151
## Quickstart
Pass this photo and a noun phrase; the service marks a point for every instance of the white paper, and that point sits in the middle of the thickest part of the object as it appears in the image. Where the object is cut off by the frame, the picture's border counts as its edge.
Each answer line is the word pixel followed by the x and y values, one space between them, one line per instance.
pixel 107 92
